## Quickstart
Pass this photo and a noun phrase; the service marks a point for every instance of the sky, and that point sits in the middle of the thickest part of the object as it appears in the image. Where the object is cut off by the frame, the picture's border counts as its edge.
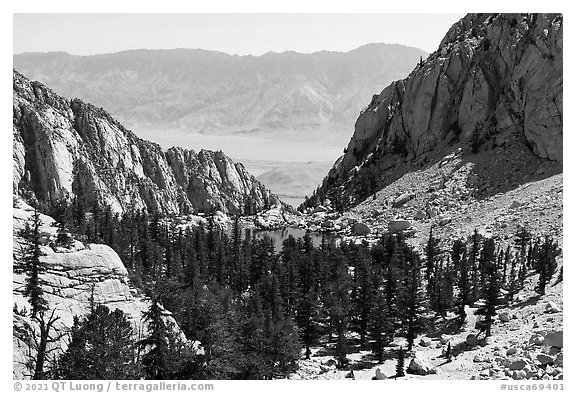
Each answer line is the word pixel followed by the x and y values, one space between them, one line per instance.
pixel 255 34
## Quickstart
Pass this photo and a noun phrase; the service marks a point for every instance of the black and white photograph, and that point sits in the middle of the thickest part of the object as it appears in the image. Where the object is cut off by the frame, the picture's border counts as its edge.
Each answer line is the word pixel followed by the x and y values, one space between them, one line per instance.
pixel 287 196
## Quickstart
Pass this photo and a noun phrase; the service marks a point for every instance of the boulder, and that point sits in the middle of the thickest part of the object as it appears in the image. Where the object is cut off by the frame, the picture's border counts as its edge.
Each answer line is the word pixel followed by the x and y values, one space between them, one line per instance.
pixel 512 351
pixel 420 365
pixel 537 340
pixel 555 339
pixel 544 359
pixel 425 341
pixel 420 215
pixel 518 364
pixel 443 220
pixel 515 205
pixel 552 307
pixel 444 339
pixel 436 185
pixel 401 200
pixel 504 316
pixel 559 361
pixel 325 368
pixel 432 211
pixel 519 374
pixel 360 229
pixel 553 351
pixel 471 339
pixel 398 225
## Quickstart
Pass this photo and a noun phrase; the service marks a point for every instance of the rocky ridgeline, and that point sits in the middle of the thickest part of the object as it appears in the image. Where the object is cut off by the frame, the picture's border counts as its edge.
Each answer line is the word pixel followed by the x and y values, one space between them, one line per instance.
pixel 75 274
pixel 63 149
pixel 497 76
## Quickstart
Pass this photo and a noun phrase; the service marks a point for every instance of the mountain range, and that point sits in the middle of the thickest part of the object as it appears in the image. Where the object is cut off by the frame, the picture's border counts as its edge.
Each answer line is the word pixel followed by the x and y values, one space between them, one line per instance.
pixel 213 92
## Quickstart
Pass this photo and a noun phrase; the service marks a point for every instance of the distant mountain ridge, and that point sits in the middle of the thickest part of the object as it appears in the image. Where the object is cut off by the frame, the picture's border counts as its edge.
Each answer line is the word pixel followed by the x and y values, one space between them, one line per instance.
pixel 213 92
pixel 65 149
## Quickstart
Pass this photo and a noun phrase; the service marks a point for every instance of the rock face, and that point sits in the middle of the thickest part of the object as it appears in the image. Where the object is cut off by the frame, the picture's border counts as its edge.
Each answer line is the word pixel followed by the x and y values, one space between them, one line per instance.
pixel 73 276
pixel 63 149
pixel 493 75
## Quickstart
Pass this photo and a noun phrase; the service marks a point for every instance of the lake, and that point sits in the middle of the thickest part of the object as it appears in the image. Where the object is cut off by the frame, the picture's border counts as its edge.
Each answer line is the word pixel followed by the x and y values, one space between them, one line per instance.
pixel 279 235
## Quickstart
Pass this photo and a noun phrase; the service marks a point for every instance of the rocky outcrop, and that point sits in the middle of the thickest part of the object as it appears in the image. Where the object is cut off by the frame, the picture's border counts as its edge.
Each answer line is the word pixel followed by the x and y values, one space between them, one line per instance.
pixel 63 149
pixel 493 75
pixel 75 275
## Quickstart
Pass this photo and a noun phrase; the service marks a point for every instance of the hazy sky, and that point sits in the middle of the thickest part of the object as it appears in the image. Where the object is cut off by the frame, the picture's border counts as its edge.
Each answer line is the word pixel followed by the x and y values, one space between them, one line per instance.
pixel 85 34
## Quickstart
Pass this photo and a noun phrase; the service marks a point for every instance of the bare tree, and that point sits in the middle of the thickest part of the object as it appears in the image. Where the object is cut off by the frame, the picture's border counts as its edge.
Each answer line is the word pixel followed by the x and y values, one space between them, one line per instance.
pixel 40 339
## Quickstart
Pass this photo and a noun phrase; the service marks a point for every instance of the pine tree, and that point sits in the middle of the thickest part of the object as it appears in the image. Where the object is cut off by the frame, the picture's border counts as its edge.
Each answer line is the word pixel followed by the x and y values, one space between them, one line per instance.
pixel 393 264
pixel 308 303
pixel 507 259
pixel 449 352
pixel 491 297
pixel 101 347
pixel 522 272
pixel 464 289
pixel 33 267
pixel 166 354
pixel 411 304
pixel 381 319
pixel 400 363
pixel 209 315
pixel 291 261
pixel 432 253
pixel 282 346
pixel 486 257
pixel 458 253
pixel 337 299
pixel 474 250
pixel 363 291
pixel 546 264
pixel 521 243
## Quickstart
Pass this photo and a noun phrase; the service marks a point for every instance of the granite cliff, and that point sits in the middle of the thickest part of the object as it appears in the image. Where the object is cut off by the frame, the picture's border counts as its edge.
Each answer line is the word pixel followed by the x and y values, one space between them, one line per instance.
pixel 495 77
pixel 65 148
